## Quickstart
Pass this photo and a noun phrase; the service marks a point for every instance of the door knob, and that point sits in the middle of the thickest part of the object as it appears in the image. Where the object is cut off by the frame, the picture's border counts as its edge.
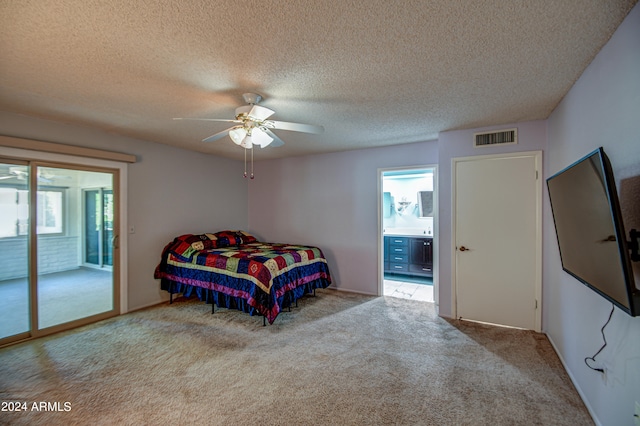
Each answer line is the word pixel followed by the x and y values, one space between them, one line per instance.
pixel 463 248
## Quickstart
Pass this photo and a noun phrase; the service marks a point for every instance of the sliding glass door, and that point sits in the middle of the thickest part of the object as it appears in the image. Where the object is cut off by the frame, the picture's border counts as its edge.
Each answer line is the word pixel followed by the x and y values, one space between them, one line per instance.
pixel 62 261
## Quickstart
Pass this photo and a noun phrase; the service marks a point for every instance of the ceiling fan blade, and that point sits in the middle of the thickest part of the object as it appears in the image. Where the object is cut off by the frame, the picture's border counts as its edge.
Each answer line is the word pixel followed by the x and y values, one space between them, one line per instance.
pixel 210 119
pixel 219 135
pixel 260 113
pixel 276 140
pixel 255 112
pixel 7 177
pixel 297 127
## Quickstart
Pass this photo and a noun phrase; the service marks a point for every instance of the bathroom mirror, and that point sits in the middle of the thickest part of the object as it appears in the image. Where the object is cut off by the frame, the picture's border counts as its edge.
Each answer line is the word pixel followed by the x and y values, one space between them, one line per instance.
pixel 425 203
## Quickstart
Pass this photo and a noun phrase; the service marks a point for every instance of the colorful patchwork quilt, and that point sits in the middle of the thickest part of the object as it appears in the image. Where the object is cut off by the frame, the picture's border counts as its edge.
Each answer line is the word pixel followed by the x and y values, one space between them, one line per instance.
pixel 233 269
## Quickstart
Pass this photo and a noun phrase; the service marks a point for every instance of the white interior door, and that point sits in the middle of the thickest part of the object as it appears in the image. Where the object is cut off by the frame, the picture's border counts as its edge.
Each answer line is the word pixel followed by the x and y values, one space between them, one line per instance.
pixel 497 239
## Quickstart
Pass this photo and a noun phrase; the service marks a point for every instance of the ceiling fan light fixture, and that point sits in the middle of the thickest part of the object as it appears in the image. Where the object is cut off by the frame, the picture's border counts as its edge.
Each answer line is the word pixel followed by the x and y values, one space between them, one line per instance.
pixel 247 143
pixel 259 137
pixel 238 135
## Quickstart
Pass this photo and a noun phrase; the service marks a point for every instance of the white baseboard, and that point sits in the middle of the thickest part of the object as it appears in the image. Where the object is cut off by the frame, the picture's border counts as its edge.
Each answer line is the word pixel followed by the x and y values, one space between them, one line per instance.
pixel 350 291
pixel 575 383
pixel 148 305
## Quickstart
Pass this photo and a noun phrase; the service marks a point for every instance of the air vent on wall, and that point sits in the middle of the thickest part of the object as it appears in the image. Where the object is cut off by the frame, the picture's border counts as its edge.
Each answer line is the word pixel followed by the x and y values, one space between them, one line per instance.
pixel 500 137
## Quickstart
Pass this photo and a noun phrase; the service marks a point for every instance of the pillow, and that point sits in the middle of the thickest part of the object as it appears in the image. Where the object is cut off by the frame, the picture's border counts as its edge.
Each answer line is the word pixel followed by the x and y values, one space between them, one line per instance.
pixel 228 238
pixel 186 245
pixel 247 238
pixel 234 238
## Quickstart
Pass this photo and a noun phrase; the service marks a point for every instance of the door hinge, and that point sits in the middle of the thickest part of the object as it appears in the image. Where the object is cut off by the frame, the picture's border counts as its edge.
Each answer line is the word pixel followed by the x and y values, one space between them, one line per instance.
pixel 536 304
pixel 536 175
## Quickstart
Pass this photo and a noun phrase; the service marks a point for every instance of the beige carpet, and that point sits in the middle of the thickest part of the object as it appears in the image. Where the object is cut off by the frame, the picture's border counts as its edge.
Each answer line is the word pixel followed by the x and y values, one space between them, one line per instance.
pixel 337 359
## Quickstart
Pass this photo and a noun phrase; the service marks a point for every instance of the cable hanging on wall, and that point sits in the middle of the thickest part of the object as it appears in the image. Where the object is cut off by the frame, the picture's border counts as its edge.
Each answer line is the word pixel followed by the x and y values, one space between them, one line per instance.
pixel 593 357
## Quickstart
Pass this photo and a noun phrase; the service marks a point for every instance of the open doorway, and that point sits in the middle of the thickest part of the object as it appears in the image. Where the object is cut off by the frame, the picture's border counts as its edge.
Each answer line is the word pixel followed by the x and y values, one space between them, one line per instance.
pixel 408 229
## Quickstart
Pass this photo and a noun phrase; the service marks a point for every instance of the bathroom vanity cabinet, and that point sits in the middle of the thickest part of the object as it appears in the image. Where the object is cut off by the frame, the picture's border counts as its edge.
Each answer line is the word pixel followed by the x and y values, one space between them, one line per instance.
pixel 408 255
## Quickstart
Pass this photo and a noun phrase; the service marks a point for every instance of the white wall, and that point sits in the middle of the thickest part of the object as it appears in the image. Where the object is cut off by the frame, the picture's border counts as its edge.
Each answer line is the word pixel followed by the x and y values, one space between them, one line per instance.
pixel 330 201
pixel 602 109
pixel 532 136
pixel 171 192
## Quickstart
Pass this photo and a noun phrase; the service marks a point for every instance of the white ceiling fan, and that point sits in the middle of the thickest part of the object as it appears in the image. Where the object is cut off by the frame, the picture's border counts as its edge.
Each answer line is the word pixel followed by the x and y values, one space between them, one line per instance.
pixel 252 126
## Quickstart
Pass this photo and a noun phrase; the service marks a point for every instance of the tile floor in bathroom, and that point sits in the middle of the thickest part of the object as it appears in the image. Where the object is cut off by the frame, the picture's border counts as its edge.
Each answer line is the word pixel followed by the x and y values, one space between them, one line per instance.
pixel 407 290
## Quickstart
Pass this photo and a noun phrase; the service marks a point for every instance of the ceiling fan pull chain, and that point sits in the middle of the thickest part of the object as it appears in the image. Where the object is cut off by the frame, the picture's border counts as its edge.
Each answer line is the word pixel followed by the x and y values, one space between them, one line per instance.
pixel 245 163
pixel 251 163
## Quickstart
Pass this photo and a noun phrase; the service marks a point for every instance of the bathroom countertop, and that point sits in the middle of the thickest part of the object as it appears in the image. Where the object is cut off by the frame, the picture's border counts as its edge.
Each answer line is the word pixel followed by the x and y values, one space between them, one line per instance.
pixel 408 232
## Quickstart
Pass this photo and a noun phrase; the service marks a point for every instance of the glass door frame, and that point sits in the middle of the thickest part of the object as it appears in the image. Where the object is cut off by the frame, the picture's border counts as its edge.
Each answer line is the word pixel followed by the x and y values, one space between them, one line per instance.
pixel 32 243
pixel 36 331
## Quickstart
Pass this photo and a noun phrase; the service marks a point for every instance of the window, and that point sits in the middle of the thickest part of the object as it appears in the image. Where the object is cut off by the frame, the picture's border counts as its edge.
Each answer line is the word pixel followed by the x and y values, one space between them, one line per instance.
pixel 14 209
pixel 49 212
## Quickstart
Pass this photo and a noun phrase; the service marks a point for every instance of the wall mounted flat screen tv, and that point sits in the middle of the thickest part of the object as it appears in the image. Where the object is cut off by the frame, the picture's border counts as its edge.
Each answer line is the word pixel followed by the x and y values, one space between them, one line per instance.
pixel 591 236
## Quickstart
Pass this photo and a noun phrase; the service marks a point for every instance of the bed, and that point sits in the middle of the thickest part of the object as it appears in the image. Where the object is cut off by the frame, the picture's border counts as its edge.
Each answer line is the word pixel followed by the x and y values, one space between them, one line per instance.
pixel 232 269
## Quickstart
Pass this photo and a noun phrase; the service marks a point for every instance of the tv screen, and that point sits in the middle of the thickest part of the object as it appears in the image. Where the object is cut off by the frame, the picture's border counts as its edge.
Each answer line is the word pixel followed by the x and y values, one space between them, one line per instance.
pixel 591 236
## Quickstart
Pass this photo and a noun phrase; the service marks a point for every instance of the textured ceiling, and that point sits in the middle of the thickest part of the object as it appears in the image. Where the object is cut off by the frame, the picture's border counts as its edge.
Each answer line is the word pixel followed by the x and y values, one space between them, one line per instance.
pixel 372 72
